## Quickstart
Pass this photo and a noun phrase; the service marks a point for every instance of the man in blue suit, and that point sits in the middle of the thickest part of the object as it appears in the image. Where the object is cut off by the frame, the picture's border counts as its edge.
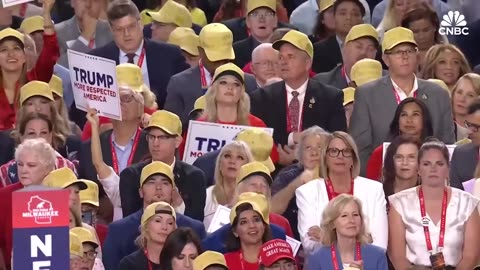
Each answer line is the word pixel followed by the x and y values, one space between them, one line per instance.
pixel 156 184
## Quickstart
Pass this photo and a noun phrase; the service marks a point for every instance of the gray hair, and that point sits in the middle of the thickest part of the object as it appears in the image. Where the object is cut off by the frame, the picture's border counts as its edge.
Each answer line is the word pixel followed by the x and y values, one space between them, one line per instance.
pixel 311 131
pixel 260 48
pixel 41 148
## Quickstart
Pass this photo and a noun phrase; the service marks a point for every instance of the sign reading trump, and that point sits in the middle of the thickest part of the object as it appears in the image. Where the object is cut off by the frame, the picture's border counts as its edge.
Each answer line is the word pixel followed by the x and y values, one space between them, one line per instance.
pixel 40 221
pixel 94 84
pixel 206 137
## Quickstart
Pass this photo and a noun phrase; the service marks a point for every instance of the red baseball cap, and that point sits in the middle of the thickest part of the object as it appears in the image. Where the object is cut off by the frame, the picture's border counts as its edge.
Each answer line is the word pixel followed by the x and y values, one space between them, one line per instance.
pixel 275 250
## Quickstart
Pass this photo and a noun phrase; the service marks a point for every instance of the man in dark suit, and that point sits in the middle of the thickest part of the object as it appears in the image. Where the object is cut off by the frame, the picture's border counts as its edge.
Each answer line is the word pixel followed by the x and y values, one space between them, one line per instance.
pixel 327 53
pixel 186 87
pixel 156 185
pixel 297 103
pixel 376 102
pixel 239 28
pixel 361 42
pixel 122 146
pixel 261 20
pixel 465 157
pixel 159 61
pixel 164 135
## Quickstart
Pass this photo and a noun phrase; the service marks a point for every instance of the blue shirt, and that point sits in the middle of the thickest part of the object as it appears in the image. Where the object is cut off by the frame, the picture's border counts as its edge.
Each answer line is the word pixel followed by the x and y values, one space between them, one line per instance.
pixel 64 74
pixel 123 152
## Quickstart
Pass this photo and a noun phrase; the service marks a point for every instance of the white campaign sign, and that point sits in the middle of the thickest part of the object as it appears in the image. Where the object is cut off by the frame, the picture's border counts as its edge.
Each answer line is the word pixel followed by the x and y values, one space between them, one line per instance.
pixel 206 137
pixel 9 3
pixel 451 148
pixel 94 84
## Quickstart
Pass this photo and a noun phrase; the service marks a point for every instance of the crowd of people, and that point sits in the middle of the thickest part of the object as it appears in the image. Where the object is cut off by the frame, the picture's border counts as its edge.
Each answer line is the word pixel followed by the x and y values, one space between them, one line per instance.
pixel 373 163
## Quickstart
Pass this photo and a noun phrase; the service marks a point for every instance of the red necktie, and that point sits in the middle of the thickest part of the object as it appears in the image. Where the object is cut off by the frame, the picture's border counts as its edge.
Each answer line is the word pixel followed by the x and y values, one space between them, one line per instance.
pixel 294 112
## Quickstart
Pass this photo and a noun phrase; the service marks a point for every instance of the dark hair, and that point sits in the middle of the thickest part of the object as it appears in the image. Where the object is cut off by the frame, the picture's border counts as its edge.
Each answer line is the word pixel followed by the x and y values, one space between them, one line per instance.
pixel 389 172
pixel 232 243
pixel 434 144
pixel 474 106
pixel 423 12
pixel 118 9
pixel 357 2
pixel 320 31
pixel 427 129
pixel 174 245
pixel 278 34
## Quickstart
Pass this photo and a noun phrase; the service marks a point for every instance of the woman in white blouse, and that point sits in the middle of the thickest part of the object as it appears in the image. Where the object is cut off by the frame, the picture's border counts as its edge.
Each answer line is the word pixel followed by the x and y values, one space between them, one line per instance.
pixel 340 166
pixel 230 159
pixel 420 215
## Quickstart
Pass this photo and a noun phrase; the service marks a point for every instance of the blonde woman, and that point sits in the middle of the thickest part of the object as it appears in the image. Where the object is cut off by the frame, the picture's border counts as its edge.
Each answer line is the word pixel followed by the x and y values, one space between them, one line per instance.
pixel 394 13
pixel 445 62
pixel 158 221
pixel 227 167
pixel 464 93
pixel 56 85
pixel 340 167
pixel 346 241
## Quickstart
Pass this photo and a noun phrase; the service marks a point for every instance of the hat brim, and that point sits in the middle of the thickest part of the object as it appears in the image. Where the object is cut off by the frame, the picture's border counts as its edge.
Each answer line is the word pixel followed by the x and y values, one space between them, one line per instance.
pixel 232 73
pixel 279 43
pixel 172 181
pixel 399 43
pixel 13 38
pixel 163 129
pixel 217 55
pixel 262 6
pixel 79 183
pixel 267 176
pixel 269 164
pixel 280 257
pixel 36 95
pixel 90 202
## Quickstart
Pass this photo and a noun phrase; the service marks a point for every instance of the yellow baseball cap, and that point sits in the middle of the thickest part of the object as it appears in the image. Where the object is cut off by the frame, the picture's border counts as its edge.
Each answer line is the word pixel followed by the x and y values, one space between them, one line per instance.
pixel 85 236
pixel 200 103
pixel 254 168
pixel 324 4
pixel 348 95
pixel 439 83
pixel 396 36
pixel 365 71
pixel 360 31
pixel 32 24
pixel 260 143
pixel 297 39
pixel 173 13
pixel 56 85
pixel 258 202
pixel 157 167
pixel 217 40
pixel 9 32
pixel 229 69
pixel 186 39
pixel 130 75
pixel 90 195
pixel 151 211
pixel 207 259
pixel 63 178
pixel 33 89
pixel 76 247
pixel 166 121
pixel 254 4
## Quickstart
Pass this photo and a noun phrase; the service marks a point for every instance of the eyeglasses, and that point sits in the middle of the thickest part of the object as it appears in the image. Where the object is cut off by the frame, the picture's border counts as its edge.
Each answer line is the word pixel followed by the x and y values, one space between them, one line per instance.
pixel 129 28
pixel 152 138
pixel 471 126
pixel 401 53
pixel 335 152
pixel 258 14
pixel 91 255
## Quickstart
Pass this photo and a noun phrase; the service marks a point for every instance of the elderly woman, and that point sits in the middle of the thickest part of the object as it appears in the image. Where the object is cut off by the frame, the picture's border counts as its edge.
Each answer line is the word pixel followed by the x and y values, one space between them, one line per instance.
pixel 181 248
pixel 32 125
pixel 157 223
pixel 340 168
pixel 311 142
pixel 36 159
pixel 346 242
pixel 231 158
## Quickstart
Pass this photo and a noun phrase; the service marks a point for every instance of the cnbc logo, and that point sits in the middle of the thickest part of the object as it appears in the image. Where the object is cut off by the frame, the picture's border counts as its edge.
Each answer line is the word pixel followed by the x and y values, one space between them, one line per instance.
pixel 454 24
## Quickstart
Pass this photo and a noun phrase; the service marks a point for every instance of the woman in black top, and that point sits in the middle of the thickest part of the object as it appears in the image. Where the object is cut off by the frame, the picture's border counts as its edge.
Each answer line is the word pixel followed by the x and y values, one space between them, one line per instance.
pixel 181 248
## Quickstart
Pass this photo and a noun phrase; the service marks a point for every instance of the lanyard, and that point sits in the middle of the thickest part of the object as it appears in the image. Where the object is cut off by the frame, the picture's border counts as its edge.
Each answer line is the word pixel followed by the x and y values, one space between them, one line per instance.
pixel 141 57
pixel 23 10
pixel 145 251
pixel 132 153
pixel 242 261
pixel 334 255
pixel 331 192
pixel 344 74
pixel 442 220
pixel 397 96
pixel 289 125
pixel 203 78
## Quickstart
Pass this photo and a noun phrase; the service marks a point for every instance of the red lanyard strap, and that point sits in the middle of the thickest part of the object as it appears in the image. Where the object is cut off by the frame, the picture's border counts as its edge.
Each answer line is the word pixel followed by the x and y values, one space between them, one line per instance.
pixel 331 193
pixel 140 58
pixel 150 267
pixel 425 220
pixel 132 153
pixel 203 78
pixel 397 96
pixel 334 255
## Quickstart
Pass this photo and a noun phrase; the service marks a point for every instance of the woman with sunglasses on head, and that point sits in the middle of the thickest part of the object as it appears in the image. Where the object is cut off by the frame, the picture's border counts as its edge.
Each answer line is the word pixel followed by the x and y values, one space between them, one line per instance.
pixel 340 168
pixel 433 225
pixel 412 119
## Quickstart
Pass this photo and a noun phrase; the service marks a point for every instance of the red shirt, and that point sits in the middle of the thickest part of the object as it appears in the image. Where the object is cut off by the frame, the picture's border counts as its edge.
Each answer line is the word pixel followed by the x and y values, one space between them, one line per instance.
pixel 102 231
pixel 234 262
pixel 6 230
pixel 282 222
pixel 42 71
pixel 375 164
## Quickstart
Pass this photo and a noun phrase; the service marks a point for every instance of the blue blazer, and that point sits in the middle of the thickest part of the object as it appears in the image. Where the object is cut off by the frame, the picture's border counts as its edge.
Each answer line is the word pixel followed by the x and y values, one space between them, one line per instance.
pixel 163 61
pixel 206 163
pixel 216 240
pixel 373 257
pixel 120 240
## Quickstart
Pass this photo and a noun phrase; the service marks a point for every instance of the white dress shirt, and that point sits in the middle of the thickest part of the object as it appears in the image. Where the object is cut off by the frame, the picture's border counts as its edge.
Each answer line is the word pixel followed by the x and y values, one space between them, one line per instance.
pixel 124 59
pixel 301 98
pixel 211 205
pixel 401 93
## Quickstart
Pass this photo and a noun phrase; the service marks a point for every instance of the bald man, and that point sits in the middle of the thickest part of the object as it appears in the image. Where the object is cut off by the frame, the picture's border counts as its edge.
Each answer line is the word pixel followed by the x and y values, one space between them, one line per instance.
pixel 265 63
